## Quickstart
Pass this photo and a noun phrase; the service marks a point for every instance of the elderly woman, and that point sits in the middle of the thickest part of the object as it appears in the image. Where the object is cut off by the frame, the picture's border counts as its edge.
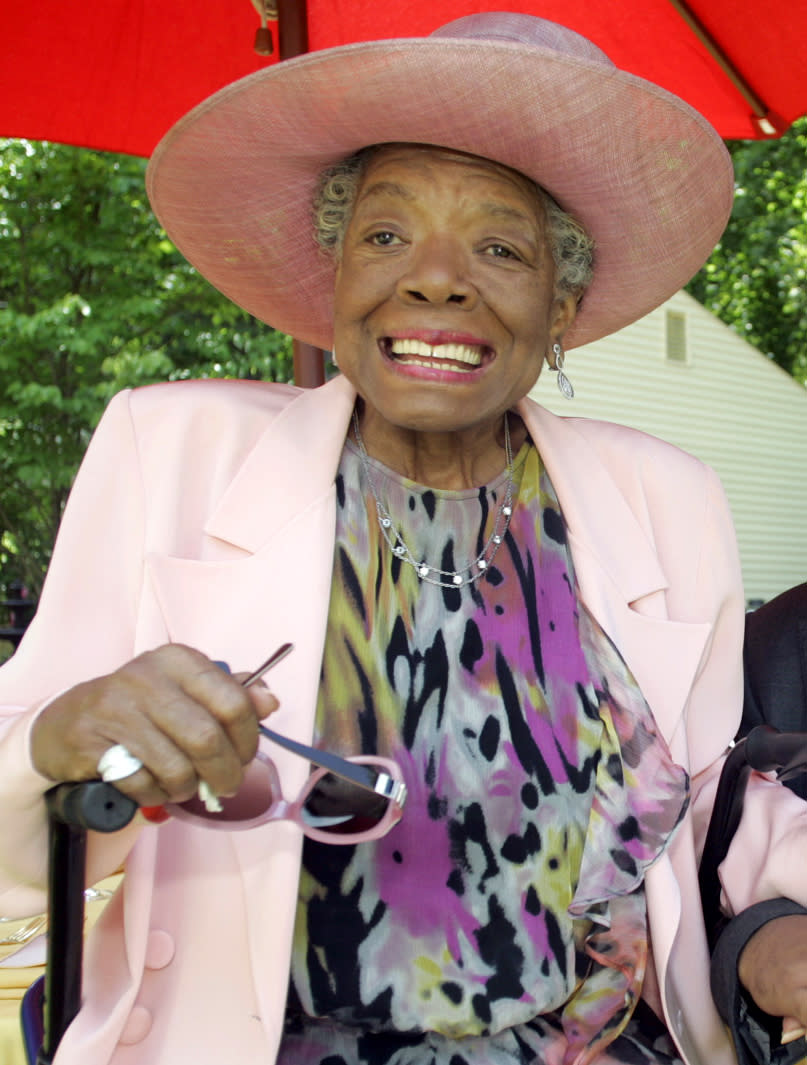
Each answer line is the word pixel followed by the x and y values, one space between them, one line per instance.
pixel 536 622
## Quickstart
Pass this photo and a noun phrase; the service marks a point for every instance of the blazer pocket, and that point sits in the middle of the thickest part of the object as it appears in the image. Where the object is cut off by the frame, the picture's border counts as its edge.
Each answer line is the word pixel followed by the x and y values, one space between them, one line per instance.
pixel 664 657
pixel 240 611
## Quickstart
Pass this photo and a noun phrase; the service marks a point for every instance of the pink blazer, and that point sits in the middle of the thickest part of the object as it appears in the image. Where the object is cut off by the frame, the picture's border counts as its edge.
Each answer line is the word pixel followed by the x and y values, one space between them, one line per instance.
pixel 204 514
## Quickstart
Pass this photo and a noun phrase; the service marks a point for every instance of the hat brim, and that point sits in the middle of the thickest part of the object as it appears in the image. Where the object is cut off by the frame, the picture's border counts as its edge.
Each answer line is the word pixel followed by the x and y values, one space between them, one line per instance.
pixel 648 177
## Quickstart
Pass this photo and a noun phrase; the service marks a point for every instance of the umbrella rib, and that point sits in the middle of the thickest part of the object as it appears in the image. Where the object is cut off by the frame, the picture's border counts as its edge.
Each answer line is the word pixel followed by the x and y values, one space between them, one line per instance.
pixel 766 121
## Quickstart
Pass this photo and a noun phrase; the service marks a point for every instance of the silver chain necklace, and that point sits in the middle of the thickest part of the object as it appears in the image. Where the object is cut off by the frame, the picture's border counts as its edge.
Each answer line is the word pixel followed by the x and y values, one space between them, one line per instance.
pixel 399 547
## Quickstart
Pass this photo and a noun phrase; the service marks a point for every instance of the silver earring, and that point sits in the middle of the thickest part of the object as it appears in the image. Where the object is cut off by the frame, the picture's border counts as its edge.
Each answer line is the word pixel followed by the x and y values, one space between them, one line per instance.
pixel 564 384
pixel 333 358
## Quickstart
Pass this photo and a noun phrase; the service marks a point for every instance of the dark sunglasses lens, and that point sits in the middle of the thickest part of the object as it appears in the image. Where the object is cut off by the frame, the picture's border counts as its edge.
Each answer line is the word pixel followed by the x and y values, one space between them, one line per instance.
pixel 253 798
pixel 339 807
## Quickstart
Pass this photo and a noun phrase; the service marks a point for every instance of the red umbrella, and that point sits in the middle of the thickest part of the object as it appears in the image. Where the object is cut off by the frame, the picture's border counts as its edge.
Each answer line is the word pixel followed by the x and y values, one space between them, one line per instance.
pixel 116 74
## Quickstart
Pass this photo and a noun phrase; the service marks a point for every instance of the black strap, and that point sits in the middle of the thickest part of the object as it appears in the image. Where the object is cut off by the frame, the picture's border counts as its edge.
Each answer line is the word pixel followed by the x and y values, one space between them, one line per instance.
pixel 726 814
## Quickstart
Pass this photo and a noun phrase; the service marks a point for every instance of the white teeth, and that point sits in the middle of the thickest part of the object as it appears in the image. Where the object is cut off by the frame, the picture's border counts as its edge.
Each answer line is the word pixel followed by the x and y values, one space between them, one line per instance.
pixel 433 364
pixel 458 352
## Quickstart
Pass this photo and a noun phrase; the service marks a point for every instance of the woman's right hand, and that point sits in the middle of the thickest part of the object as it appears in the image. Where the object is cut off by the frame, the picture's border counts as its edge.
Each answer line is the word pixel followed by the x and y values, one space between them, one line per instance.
pixel 173 708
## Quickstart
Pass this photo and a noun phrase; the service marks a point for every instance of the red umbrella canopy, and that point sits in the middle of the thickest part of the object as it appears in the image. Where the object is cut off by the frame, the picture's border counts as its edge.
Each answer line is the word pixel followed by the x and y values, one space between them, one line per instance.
pixel 117 74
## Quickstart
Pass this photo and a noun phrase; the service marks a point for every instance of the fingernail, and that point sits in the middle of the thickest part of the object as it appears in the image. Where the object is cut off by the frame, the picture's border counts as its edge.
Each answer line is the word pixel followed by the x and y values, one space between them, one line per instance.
pixel 209 798
pixel 793 1035
pixel 156 814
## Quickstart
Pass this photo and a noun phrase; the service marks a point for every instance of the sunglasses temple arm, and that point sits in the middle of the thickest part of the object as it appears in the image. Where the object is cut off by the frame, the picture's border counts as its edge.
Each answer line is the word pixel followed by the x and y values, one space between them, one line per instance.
pixel 361 775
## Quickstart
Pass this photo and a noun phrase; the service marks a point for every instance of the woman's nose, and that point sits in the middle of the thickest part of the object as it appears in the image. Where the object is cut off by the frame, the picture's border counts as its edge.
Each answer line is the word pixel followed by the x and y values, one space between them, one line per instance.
pixel 438 273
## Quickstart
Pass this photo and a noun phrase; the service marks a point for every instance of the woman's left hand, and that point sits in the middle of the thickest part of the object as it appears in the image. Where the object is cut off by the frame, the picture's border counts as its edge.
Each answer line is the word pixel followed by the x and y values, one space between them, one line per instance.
pixel 773 970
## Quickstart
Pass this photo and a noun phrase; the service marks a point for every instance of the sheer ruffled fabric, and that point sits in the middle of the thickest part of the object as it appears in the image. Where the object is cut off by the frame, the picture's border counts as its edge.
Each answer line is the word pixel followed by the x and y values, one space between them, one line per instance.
pixel 639 800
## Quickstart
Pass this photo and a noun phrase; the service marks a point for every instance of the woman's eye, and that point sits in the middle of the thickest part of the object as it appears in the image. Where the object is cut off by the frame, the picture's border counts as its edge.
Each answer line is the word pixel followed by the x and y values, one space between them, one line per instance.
pixel 500 251
pixel 383 238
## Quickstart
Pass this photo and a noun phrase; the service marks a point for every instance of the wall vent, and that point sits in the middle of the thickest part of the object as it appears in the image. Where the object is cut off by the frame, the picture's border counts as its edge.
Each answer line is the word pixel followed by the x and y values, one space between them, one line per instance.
pixel 676 336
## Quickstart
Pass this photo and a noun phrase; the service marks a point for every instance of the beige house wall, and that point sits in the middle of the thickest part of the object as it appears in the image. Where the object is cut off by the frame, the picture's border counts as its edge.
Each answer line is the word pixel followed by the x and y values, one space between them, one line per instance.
pixel 684 376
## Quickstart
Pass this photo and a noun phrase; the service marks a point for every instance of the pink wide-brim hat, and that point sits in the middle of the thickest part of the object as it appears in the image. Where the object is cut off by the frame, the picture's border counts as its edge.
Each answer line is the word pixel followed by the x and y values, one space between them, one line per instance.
pixel 646 175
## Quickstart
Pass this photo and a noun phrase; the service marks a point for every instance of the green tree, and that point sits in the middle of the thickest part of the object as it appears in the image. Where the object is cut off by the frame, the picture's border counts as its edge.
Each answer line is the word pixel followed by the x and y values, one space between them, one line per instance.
pixel 93 298
pixel 756 280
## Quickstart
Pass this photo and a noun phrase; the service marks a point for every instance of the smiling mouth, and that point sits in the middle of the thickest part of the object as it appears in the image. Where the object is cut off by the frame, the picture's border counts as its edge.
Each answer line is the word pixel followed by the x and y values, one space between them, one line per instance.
pixel 460 358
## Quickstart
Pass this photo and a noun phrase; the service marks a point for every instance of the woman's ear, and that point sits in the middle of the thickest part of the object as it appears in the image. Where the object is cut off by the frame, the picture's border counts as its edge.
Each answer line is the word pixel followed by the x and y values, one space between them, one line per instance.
pixel 564 311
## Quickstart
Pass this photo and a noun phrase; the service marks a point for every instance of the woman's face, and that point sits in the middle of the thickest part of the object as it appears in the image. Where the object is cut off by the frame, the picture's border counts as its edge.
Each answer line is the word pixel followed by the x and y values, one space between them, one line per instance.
pixel 445 302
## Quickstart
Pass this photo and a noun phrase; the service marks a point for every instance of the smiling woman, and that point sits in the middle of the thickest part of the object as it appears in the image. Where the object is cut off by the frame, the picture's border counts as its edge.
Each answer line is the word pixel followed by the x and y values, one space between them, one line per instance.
pixel 531 625
pixel 445 253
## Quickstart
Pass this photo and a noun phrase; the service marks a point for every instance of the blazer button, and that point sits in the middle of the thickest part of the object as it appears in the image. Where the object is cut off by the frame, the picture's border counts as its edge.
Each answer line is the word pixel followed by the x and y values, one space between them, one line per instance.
pixel 137 1027
pixel 160 948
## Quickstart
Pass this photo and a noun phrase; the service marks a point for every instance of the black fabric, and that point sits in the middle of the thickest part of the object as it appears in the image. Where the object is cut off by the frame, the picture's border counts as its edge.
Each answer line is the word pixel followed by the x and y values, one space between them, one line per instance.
pixel 726 814
pixel 756 1034
pixel 775 656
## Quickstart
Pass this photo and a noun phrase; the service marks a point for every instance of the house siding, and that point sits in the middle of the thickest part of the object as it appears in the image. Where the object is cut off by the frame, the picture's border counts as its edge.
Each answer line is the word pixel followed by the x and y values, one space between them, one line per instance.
pixel 724 402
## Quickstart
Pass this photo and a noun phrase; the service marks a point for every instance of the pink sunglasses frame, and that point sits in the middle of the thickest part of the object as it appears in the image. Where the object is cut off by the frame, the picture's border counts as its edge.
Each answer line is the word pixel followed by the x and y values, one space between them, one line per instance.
pixel 280 809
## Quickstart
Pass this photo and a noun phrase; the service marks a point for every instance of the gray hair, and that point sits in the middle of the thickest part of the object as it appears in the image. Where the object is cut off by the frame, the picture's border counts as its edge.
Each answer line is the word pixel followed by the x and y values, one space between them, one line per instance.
pixel 572 248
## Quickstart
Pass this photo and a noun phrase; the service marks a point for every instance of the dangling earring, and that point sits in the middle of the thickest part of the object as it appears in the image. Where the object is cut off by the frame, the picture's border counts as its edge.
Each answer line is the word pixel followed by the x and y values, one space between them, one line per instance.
pixel 564 384
pixel 333 358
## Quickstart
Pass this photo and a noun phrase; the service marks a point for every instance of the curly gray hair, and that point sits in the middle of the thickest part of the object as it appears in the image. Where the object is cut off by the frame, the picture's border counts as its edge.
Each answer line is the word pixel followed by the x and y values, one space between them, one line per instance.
pixel 572 247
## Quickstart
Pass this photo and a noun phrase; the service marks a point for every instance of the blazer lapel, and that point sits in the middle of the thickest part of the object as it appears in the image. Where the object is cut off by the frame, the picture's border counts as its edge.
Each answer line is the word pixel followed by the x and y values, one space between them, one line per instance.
pixel 619 573
pixel 292 466
pixel 266 575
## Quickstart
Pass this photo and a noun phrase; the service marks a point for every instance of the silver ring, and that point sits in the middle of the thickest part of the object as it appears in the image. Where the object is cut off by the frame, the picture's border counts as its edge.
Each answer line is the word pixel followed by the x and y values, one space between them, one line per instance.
pixel 117 763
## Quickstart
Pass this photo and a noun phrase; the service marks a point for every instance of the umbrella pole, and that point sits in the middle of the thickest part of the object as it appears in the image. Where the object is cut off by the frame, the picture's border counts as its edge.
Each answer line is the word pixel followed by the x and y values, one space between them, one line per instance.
pixel 309 365
pixel 292 28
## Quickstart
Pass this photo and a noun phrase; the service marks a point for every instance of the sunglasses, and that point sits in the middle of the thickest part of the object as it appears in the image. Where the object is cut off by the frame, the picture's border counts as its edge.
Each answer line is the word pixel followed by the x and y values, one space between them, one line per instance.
pixel 344 800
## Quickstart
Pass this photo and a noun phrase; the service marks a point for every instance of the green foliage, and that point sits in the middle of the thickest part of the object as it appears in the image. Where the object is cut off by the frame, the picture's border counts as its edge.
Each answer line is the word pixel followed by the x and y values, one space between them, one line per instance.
pixel 93 298
pixel 756 280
